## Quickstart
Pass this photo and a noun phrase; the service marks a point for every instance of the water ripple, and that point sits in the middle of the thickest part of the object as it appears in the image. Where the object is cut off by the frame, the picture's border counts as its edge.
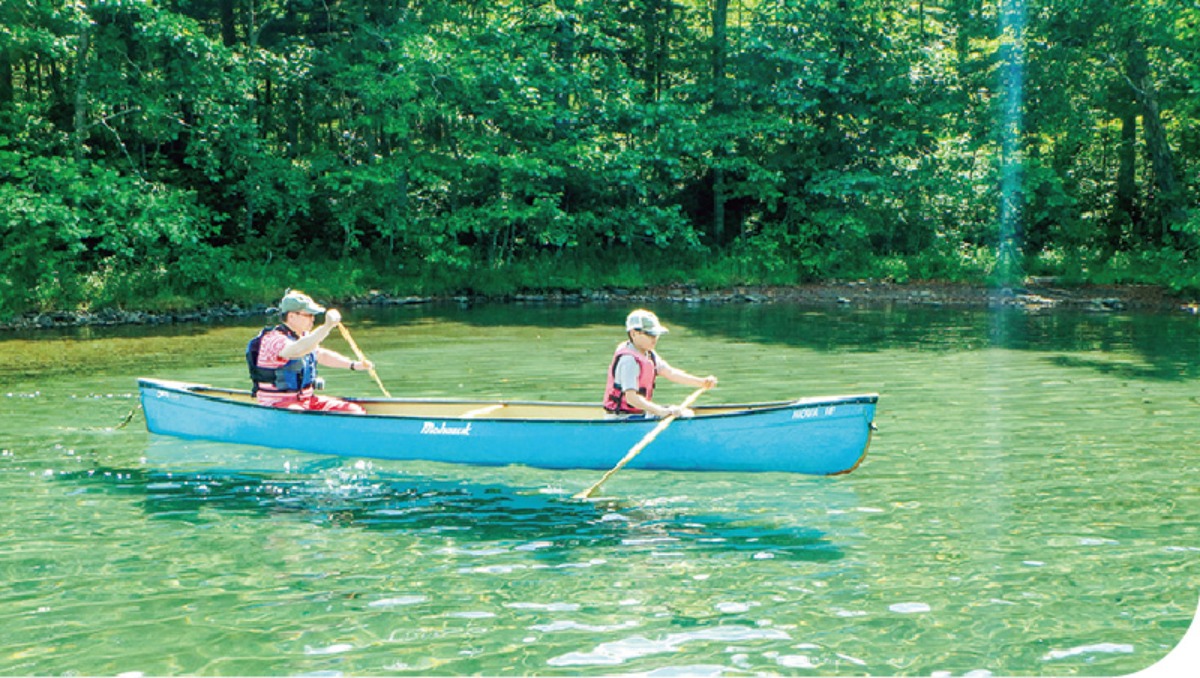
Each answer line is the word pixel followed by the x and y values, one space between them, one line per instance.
pixel 620 651
pixel 1099 648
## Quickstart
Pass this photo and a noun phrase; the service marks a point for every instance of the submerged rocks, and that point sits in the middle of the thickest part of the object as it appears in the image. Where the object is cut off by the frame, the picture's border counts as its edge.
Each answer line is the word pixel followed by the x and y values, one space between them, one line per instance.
pixel 112 316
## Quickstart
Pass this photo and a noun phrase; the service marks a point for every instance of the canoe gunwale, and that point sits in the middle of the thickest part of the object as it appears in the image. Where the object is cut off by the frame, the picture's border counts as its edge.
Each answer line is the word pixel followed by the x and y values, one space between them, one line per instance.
pixel 214 393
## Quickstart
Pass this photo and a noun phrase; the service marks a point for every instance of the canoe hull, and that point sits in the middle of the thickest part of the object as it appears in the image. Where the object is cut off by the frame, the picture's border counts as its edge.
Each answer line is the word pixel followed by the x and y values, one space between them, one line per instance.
pixel 814 436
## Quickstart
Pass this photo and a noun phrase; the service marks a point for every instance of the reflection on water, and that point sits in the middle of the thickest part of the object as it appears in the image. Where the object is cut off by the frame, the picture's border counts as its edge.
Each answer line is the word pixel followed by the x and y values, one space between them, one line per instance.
pixel 327 492
pixel 1165 343
pixel 1028 507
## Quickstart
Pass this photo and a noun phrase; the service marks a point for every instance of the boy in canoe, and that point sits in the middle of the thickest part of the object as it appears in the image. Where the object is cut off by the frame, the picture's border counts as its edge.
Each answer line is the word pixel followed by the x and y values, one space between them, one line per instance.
pixel 283 359
pixel 636 364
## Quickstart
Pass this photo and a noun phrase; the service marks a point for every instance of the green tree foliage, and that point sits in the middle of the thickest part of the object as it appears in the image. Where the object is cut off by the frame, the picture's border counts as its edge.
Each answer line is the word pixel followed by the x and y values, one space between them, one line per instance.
pixel 152 147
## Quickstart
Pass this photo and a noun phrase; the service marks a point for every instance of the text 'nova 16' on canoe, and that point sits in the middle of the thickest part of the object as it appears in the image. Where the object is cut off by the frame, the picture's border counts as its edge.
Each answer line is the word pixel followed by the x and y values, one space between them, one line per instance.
pixel 820 436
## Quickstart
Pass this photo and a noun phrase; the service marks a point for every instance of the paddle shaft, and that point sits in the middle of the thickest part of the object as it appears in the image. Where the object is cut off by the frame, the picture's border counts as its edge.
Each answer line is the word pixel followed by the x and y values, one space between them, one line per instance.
pixel 641 445
pixel 361 358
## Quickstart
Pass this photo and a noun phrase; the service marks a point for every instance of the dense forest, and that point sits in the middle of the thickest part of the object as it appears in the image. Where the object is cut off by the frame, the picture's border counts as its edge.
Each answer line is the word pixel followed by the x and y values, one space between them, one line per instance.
pixel 172 152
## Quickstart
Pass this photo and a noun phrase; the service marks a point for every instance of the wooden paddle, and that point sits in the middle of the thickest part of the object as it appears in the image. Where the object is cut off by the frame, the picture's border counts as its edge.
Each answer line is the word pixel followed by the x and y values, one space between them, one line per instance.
pixel 637 449
pixel 361 358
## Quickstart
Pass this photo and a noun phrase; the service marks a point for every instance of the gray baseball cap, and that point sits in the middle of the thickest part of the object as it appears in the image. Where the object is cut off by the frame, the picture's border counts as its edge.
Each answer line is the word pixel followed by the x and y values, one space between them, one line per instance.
pixel 295 300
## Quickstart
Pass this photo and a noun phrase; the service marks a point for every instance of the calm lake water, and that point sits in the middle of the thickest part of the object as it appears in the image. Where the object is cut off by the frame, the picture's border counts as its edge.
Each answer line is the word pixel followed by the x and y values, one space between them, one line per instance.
pixel 1028 507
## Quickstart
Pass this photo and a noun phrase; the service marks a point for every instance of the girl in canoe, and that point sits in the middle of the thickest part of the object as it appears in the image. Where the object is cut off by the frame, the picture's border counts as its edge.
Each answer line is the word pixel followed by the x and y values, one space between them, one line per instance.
pixel 283 360
pixel 635 366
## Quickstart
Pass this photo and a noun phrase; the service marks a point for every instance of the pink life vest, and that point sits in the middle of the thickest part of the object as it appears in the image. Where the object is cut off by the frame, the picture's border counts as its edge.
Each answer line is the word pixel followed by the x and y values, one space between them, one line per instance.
pixel 614 398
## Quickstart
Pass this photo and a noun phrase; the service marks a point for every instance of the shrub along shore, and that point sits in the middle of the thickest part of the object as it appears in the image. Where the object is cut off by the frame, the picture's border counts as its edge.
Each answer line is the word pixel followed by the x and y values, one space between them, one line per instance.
pixel 1038 295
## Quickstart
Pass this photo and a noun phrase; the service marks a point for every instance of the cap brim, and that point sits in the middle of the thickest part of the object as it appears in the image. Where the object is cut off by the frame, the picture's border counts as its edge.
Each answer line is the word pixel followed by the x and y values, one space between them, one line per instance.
pixel 311 310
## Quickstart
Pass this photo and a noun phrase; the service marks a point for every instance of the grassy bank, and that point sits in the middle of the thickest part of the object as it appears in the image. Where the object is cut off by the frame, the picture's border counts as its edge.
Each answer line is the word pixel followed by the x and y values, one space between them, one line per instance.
pixel 247 284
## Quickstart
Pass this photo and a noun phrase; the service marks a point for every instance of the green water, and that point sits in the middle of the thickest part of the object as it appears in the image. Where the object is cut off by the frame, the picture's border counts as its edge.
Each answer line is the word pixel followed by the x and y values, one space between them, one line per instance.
pixel 1028 507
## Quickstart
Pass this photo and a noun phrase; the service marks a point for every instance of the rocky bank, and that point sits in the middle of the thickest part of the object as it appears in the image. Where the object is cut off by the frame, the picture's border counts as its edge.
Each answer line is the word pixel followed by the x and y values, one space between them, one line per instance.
pixel 1038 295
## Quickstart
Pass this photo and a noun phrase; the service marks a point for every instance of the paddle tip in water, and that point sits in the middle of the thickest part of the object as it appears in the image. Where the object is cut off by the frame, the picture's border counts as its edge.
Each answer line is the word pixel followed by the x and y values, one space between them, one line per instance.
pixel 592 498
pixel 637 449
pixel 592 494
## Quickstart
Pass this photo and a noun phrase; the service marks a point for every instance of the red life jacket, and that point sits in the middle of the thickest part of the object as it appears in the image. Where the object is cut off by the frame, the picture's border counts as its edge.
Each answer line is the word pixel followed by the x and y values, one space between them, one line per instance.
pixel 614 398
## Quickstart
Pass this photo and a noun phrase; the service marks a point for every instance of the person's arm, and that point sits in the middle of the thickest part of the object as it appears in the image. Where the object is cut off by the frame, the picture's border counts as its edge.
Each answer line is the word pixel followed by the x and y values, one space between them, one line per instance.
pixel 312 341
pixel 642 403
pixel 626 377
pixel 680 377
pixel 330 358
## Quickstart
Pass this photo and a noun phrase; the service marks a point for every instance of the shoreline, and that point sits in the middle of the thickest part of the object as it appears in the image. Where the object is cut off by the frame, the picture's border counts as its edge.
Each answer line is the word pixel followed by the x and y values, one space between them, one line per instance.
pixel 1038 295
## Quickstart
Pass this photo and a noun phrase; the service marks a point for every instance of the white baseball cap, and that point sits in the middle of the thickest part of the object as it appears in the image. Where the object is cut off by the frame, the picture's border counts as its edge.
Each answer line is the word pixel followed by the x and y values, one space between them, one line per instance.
pixel 646 321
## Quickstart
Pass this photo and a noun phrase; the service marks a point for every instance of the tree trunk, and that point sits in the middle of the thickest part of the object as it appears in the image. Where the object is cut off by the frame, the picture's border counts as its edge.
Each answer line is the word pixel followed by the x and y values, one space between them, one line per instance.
pixel 228 25
pixel 565 56
pixel 656 22
pixel 1125 209
pixel 720 104
pixel 6 78
pixel 1167 200
pixel 81 90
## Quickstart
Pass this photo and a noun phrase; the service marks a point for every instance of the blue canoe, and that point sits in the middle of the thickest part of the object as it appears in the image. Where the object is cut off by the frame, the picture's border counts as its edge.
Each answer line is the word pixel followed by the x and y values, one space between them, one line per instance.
pixel 821 436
